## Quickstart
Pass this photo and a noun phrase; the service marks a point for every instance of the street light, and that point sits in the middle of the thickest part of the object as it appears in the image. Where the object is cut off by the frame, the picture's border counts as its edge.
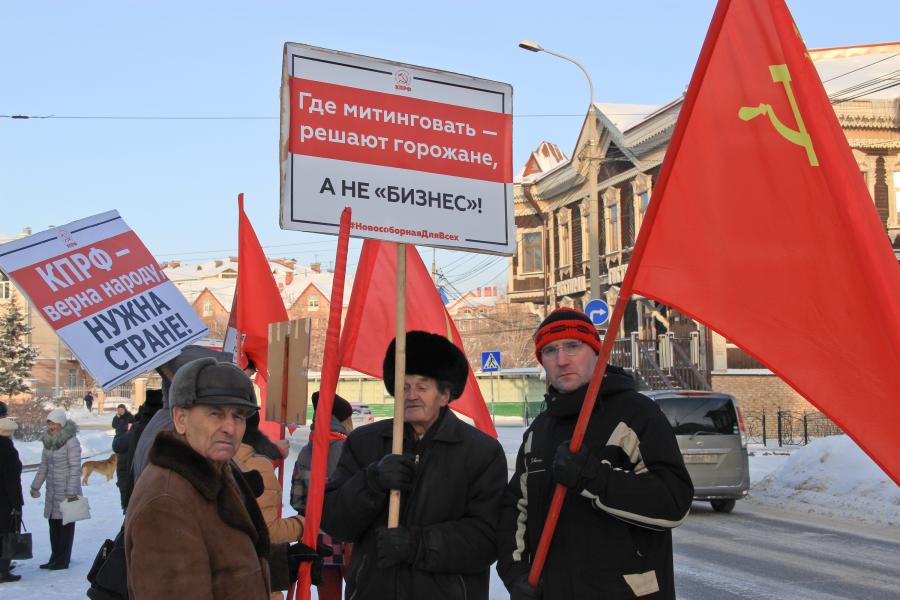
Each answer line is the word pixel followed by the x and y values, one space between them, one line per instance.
pixel 593 160
pixel 532 46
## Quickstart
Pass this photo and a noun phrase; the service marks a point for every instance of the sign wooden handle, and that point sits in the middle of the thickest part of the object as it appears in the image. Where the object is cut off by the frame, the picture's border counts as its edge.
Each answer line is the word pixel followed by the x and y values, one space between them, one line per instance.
pixel 399 378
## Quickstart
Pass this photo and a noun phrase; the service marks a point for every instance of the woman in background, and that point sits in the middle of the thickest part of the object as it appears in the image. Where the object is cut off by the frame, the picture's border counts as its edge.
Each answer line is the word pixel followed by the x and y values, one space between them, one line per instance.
pixel 61 469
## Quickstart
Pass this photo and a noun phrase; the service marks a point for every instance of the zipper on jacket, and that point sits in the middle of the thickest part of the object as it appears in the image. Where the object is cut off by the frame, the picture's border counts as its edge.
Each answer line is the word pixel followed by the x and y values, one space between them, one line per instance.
pixel 462 582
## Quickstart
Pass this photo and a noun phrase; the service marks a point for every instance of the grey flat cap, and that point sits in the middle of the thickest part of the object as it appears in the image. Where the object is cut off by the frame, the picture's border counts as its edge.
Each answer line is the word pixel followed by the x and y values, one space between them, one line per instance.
pixel 209 382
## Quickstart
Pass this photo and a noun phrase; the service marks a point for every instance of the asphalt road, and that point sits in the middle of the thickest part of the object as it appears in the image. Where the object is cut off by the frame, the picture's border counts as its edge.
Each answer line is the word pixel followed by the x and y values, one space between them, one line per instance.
pixel 758 553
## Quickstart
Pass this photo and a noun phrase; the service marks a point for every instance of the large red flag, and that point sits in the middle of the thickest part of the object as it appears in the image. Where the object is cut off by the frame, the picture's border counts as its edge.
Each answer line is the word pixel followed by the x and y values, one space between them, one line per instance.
pixel 257 302
pixel 371 319
pixel 761 227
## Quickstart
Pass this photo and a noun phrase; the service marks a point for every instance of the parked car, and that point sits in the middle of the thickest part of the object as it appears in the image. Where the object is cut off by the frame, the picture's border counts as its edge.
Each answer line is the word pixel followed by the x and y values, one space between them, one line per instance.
pixel 713 442
pixel 362 414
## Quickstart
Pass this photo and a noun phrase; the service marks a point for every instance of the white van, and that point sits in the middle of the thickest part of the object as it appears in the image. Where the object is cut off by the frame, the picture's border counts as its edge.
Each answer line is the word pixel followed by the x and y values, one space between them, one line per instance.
pixel 713 442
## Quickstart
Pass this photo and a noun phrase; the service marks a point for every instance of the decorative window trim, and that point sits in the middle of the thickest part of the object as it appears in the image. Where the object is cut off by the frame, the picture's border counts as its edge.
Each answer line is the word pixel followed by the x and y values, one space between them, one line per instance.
pixel 640 185
pixel 612 199
pixel 564 223
pixel 522 271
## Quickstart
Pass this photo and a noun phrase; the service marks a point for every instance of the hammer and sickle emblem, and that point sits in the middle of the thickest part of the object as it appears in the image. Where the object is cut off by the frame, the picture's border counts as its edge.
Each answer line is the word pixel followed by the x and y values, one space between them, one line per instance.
pixel 780 74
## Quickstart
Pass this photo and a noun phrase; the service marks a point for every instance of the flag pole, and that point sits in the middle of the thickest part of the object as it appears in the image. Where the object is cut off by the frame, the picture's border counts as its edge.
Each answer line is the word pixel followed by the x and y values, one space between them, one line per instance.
pixel 399 377
pixel 625 293
pixel 322 430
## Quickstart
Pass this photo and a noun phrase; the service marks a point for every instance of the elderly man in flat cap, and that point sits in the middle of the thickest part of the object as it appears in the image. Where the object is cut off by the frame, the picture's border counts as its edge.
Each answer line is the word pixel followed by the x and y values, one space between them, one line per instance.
pixel 451 476
pixel 193 528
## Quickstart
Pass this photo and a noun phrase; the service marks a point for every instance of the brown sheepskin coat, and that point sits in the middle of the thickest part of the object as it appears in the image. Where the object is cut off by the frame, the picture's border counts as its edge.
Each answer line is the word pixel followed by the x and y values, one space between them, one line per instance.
pixel 194 530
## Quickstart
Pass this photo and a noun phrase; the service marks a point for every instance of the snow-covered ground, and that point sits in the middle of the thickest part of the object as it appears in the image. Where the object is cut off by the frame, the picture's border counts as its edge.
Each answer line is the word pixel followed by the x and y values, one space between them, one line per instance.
pixel 831 477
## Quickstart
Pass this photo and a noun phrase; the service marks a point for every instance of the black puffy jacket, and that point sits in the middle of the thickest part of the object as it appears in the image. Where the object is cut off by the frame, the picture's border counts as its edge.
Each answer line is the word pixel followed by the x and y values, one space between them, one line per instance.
pixel 613 538
pixel 455 502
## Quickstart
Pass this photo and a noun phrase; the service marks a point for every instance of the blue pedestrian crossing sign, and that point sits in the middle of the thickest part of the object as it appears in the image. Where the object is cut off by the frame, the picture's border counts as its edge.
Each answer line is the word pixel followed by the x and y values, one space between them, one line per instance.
pixel 597 311
pixel 490 361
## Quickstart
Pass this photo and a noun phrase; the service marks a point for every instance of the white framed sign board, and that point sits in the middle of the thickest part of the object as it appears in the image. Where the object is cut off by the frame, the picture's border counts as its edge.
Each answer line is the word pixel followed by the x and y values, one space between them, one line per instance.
pixel 103 293
pixel 421 156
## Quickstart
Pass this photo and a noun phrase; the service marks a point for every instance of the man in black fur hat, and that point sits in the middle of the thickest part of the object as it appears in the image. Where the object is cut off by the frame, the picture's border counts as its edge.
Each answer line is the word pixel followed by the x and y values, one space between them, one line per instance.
pixel 451 477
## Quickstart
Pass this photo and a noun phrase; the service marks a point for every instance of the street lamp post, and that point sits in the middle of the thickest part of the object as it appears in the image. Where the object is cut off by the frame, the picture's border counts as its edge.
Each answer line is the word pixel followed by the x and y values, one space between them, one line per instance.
pixel 591 155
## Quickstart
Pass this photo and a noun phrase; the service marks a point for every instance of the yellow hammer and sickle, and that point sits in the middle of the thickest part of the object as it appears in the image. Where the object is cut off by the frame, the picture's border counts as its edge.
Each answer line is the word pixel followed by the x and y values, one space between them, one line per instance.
pixel 780 74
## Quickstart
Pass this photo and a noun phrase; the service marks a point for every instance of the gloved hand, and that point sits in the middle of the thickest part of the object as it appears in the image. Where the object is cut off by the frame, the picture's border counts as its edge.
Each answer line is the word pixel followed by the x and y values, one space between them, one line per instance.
pixel 574 470
pixel 392 472
pixel 300 552
pixel 522 590
pixel 35 493
pixel 397 545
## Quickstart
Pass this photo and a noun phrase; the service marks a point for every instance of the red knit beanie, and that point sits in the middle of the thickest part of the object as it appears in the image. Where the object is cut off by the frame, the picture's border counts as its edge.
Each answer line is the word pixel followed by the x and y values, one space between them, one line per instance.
pixel 566 324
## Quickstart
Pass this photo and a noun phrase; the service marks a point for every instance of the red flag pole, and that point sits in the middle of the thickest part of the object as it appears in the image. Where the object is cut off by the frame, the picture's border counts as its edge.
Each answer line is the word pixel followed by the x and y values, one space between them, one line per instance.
pixel 590 398
pixel 330 369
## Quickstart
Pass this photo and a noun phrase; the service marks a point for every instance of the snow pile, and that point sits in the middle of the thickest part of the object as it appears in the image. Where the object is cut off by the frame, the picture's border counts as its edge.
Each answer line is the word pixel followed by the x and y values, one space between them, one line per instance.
pixel 832 477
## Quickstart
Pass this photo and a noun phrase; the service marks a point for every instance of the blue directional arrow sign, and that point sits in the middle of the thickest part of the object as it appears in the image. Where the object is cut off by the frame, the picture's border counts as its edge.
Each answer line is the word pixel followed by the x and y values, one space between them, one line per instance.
pixel 490 361
pixel 598 311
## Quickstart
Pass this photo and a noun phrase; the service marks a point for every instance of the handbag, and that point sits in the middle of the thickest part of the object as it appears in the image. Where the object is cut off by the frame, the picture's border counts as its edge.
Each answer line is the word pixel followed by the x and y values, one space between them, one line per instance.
pixel 75 510
pixel 109 573
pixel 15 545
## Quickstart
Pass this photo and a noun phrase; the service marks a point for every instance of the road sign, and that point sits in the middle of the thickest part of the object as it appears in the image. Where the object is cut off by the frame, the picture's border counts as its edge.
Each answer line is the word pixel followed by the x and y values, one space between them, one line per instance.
pixel 421 156
pixel 490 361
pixel 597 311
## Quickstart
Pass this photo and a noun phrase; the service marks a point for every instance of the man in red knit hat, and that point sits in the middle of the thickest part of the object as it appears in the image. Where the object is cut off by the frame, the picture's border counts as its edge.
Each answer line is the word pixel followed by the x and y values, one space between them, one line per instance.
pixel 628 486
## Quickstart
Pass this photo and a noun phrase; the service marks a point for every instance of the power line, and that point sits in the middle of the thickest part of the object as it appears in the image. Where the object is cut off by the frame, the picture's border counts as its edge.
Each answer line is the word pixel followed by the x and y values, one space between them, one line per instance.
pixel 860 68
pixel 249 118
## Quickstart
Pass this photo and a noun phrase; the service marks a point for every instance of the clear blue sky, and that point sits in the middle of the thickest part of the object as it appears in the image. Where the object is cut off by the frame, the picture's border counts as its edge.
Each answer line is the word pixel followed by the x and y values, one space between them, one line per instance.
pixel 176 181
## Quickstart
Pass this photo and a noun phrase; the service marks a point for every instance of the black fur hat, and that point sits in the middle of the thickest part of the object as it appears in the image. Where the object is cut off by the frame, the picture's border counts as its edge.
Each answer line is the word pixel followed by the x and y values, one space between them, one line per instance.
pixel 430 355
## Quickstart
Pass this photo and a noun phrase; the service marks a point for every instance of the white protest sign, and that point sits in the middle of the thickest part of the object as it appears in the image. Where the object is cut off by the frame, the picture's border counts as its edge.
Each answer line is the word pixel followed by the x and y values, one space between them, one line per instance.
pixel 421 156
pixel 101 290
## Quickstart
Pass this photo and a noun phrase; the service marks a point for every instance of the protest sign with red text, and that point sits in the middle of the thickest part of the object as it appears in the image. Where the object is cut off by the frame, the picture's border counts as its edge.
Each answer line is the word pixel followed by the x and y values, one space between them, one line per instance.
pixel 421 156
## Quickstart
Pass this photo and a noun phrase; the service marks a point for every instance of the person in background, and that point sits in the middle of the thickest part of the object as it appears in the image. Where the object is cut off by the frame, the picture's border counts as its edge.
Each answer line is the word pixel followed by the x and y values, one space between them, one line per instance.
pixel 126 444
pixel 121 423
pixel 89 401
pixel 10 487
pixel 334 566
pixel 258 454
pixel 61 469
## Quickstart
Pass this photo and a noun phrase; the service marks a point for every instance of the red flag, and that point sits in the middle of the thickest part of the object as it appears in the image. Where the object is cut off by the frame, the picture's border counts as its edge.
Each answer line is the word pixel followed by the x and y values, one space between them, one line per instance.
pixel 762 228
pixel 257 302
pixel 371 317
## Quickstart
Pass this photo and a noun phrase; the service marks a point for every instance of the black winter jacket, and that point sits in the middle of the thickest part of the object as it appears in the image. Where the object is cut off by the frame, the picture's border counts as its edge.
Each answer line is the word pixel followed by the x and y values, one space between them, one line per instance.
pixel 613 538
pixel 10 482
pixel 455 502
